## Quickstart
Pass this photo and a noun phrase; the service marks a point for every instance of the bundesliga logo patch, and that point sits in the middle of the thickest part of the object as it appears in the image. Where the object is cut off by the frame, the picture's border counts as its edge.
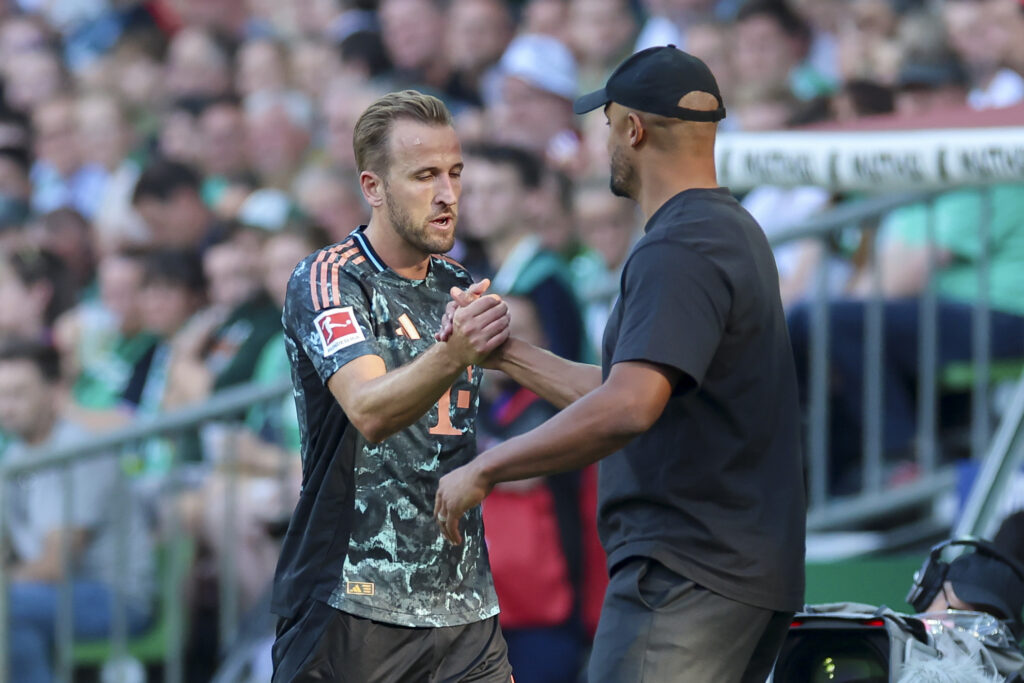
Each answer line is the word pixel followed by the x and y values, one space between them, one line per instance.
pixel 338 328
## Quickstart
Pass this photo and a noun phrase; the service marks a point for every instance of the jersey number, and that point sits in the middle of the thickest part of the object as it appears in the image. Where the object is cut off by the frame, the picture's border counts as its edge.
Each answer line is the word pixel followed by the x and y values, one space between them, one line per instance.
pixel 444 426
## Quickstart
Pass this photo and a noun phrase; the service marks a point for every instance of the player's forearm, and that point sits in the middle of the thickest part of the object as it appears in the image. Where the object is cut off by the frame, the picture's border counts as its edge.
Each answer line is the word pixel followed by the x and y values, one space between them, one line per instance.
pixel 558 381
pixel 398 398
pixel 593 427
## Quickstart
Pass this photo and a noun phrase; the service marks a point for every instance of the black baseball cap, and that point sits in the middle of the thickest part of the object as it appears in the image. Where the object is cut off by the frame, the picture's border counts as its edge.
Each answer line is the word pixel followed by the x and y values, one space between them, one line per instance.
pixel 989 583
pixel 654 81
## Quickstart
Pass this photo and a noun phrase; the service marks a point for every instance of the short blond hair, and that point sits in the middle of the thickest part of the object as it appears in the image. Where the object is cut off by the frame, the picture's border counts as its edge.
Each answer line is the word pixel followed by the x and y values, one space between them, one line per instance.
pixel 370 138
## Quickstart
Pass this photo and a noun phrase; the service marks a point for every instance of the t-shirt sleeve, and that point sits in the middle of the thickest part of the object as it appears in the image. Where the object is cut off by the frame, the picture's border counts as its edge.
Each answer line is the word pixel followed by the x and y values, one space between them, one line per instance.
pixel 93 482
pixel 328 314
pixel 954 217
pixel 675 305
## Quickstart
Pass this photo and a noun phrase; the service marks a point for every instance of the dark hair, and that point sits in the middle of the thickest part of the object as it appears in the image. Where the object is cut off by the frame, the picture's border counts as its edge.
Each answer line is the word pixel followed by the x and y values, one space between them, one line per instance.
pixel 309 232
pixel 18 156
pixel 175 267
pixel 366 47
pixel 528 166
pixel 43 356
pixel 32 265
pixel 163 178
pixel 789 21
pixel 870 98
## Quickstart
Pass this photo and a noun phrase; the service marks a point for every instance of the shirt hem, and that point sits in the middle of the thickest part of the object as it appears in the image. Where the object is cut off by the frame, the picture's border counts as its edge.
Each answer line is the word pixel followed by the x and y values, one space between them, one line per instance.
pixel 413 620
pixel 790 602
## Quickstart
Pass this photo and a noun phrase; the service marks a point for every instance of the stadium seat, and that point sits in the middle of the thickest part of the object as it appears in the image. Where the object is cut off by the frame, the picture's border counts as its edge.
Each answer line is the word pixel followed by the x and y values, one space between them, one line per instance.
pixel 960 376
pixel 173 559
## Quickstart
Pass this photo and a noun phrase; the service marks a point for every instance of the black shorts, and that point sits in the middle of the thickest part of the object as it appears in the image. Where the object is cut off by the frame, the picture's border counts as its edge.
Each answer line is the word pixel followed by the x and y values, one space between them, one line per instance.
pixel 325 644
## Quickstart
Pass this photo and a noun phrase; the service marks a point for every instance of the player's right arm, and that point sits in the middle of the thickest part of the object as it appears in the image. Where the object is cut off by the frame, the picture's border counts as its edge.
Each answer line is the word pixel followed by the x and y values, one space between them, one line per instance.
pixel 328 315
pixel 380 403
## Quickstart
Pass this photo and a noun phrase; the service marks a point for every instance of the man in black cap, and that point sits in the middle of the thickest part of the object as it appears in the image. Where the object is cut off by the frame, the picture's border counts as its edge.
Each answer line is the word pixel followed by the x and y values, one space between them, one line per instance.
pixel 982 582
pixel 694 413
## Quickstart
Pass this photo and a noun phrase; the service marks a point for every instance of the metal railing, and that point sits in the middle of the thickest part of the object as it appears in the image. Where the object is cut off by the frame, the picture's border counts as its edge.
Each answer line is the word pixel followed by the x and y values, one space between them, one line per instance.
pixel 936 477
pixel 871 503
pixel 125 444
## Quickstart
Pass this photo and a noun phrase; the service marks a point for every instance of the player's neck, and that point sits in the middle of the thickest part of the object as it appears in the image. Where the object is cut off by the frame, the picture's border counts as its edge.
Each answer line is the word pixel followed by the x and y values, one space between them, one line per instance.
pixel 662 181
pixel 397 254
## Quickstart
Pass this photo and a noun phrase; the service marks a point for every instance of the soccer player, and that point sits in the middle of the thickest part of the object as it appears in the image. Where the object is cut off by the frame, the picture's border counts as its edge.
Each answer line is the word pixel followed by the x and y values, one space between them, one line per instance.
pixel 695 414
pixel 366 587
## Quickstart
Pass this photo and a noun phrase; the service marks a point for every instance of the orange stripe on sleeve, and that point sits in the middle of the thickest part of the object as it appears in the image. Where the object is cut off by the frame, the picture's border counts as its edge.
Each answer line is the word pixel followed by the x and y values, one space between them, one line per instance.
pixel 312 279
pixel 335 294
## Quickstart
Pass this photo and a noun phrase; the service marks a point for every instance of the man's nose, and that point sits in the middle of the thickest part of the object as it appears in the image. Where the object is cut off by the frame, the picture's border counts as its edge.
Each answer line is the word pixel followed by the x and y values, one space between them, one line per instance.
pixel 446 191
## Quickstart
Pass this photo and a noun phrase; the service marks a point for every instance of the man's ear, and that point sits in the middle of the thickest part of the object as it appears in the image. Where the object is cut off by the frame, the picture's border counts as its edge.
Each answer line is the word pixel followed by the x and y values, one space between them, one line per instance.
pixel 372 186
pixel 635 130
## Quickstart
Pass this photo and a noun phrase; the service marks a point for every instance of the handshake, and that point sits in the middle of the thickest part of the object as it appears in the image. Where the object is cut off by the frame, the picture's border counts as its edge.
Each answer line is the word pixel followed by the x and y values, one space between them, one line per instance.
pixel 474 324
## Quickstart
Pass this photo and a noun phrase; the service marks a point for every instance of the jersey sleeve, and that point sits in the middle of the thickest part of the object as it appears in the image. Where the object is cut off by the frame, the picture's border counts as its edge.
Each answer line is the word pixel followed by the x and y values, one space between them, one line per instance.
pixel 675 305
pixel 328 314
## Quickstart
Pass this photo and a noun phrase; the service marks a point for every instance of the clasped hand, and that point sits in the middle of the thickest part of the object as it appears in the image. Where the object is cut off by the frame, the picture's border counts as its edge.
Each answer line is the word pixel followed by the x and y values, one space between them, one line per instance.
pixel 465 487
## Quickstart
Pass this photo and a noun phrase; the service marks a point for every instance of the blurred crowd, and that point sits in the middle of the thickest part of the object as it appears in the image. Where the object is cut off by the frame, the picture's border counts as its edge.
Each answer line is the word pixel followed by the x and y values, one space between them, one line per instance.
pixel 165 163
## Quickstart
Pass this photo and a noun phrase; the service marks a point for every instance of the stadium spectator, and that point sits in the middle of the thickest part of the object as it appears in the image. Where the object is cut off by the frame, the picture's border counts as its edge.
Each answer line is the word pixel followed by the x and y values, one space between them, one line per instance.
pixel 601 34
pixel 539 82
pixel 607 227
pixel 712 42
pixel 174 291
pixel 340 107
pixel 264 451
pixel 930 86
pixel 177 132
pixel 499 190
pixel 413 32
pixel 34 292
pixel 260 66
pixel 39 525
pixel 278 130
pixel 197 65
pixel 59 177
pixel 107 350
pixel 32 78
pixel 167 196
pixel 69 237
pixel 330 199
pixel 223 153
pixel 868 41
pixel 771 50
pixel 218 348
pixel 479 31
pixel 106 143
pixel 982 41
pixel 312 63
pixel 904 258
pixel 666 21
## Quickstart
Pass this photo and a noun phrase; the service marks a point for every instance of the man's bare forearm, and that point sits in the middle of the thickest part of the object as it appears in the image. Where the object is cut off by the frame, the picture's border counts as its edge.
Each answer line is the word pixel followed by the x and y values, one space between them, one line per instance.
pixel 555 379
pixel 394 400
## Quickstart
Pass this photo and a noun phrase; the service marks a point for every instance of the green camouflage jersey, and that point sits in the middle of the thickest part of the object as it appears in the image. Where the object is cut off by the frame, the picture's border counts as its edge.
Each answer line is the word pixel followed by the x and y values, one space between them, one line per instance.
pixel 363 537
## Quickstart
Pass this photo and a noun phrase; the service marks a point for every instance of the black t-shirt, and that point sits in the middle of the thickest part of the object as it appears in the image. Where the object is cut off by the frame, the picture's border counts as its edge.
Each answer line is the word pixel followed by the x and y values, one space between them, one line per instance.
pixel 363 538
pixel 714 490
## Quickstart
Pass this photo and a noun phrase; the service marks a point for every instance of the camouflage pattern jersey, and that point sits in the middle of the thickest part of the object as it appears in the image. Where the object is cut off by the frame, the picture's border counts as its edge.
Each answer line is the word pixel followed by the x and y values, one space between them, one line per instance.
pixel 363 538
